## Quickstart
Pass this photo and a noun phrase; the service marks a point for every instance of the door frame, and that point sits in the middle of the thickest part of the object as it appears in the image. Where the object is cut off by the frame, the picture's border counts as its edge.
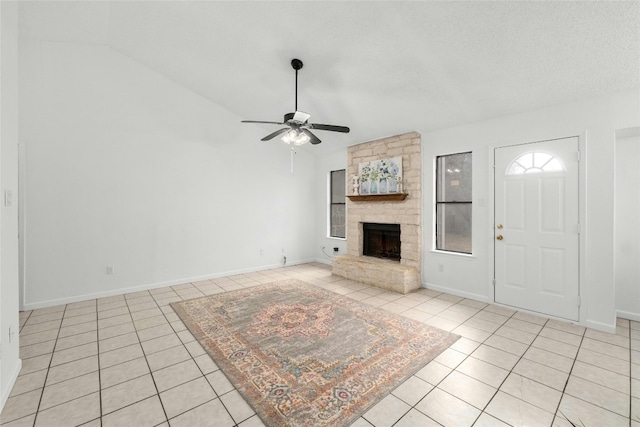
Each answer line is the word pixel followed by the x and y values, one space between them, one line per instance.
pixel 582 218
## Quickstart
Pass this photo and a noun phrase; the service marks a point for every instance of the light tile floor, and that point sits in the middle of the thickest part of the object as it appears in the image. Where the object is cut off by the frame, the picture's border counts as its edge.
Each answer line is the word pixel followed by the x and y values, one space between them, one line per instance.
pixel 128 360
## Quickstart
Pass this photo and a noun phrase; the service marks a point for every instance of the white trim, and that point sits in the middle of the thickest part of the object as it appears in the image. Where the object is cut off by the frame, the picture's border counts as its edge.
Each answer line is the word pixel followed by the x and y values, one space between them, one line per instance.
pixel 628 315
pixel 327 227
pixel 582 237
pixel 548 316
pixel 22 218
pixel 604 327
pixel 10 384
pixel 457 292
pixel 491 268
pixel 127 290
pixel 460 254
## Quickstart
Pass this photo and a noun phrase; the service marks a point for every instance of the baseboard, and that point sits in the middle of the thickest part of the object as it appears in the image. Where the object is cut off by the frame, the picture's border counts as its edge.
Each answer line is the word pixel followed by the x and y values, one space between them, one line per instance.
pixel 628 315
pixel 128 290
pixel 604 327
pixel 10 384
pixel 457 292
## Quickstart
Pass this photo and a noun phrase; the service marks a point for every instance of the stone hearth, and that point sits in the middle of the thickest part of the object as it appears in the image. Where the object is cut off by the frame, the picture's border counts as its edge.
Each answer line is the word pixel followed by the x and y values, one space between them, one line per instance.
pixel 403 276
pixel 381 273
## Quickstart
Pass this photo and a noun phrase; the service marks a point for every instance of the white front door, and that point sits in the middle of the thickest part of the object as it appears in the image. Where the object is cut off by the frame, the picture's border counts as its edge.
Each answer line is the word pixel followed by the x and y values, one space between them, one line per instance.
pixel 536 235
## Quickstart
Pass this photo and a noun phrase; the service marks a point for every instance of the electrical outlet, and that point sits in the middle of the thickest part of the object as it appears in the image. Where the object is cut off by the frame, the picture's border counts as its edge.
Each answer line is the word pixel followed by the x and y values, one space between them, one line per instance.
pixel 261 251
pixel 110 270
pixel 336 249
pixel 441 267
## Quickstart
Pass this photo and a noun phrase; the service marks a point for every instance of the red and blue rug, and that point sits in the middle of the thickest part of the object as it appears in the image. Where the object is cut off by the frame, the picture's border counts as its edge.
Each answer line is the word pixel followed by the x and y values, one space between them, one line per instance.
pixel 303 356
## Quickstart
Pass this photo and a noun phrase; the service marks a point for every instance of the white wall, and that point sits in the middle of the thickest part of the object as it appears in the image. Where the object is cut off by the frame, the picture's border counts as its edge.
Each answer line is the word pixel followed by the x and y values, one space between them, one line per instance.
pixel 125 168
pixel 325 164
pixel 9 354
pixel 595 118
pixel 627 227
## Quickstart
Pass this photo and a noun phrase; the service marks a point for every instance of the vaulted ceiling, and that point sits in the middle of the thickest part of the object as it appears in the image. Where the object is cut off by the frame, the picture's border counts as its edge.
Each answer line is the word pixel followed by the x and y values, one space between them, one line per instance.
pixel 381 68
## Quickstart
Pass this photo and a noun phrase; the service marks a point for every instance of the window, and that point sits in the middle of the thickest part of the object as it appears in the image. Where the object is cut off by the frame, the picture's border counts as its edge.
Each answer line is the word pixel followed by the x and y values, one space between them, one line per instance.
pixel 453 203
pixel 535 162
pixel 337 206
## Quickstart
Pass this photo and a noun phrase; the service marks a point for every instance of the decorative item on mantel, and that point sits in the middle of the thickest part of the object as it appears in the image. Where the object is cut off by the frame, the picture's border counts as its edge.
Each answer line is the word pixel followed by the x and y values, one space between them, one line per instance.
pixel 380 176
pixel 380 180
pixel 356 185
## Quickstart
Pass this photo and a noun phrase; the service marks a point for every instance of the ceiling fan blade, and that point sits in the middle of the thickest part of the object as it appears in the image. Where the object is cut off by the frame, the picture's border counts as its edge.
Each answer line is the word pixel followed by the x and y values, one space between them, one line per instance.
pixel 313 139
pixel 332 128
pixel 301 116
pixel 274 134
pixel 259 121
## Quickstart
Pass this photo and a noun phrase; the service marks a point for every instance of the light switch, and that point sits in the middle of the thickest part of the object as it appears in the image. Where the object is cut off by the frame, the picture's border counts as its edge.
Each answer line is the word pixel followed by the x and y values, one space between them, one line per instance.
pixel 8 198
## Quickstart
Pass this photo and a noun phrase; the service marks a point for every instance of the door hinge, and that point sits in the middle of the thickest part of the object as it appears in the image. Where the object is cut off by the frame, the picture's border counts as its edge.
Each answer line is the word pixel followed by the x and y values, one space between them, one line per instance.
pixel 579 301
pixel 578 155
pixel 494 283
pixel 579 228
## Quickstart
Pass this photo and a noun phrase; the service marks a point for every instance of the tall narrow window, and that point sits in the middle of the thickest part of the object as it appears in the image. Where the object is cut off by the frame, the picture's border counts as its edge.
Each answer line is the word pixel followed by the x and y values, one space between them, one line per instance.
pixel 337 206
pixel 453 203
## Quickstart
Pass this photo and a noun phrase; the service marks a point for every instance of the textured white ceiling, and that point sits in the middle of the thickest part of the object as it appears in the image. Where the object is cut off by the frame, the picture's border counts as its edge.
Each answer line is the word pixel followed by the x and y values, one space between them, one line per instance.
pixel 381 68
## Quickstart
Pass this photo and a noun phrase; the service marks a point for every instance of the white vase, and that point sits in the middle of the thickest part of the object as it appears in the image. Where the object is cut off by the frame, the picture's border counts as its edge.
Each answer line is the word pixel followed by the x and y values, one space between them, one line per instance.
pixel 364 187
pixel 383 186
pixel 392 185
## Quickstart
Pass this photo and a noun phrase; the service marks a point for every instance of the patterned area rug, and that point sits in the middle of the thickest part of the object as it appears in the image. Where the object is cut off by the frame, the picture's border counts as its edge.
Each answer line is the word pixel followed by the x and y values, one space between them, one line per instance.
pixel 303 356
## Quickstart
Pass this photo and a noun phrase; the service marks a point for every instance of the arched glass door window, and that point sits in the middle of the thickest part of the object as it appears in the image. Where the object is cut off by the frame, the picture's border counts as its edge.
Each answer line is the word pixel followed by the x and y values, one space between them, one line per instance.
pixel 535 162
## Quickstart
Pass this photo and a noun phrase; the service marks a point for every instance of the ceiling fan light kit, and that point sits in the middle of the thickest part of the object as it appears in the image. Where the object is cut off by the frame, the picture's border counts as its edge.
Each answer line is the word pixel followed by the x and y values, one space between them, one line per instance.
pixel 297 132
pixel 296 138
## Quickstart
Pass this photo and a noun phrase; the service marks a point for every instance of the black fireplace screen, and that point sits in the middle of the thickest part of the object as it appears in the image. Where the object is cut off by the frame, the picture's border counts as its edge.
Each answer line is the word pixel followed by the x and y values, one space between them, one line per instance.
pixel 381 240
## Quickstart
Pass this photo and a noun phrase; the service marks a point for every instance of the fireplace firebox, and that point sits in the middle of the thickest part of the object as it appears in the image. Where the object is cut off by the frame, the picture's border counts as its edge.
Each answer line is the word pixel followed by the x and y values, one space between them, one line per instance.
pixel 381 240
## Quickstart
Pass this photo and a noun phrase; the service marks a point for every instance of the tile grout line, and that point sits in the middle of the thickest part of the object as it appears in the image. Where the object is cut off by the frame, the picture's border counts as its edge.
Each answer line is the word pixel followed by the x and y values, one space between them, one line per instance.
pixel 147 362
pixel 573 363
pixel 35 419
pixel 483 411
pixel 630 377
pixel 99 367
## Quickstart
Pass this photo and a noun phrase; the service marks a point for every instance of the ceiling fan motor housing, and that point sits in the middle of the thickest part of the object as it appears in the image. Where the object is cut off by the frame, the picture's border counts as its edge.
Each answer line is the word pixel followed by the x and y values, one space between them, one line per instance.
pixel 296 64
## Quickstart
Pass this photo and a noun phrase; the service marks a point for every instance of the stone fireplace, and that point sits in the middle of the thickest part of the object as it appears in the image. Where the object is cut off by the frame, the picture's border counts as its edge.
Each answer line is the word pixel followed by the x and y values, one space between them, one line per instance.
pixel 391 269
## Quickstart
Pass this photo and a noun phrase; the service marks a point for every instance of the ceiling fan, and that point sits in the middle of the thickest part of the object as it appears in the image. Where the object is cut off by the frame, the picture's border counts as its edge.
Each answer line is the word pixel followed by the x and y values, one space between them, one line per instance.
pixel 297 131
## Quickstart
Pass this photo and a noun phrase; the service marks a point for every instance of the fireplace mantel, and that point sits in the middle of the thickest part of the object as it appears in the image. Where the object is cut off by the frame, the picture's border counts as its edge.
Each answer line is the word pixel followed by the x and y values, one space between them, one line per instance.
pixel 378 197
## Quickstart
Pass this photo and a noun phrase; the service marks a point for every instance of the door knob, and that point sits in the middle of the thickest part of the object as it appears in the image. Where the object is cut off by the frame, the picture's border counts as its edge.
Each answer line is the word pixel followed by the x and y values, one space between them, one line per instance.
pixel 499 226
pixel 499 237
